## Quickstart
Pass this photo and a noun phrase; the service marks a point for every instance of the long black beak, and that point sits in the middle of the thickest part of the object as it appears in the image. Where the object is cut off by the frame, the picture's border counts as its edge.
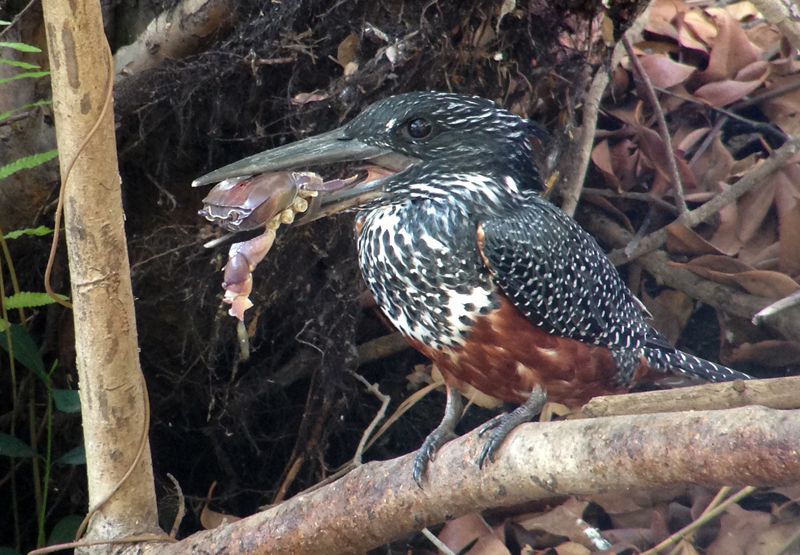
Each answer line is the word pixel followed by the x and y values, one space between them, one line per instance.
pixel 327 148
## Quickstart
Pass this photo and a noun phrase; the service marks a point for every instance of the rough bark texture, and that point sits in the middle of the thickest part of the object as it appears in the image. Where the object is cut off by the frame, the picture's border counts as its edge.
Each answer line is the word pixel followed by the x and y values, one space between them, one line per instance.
pixel 780 393
pixel 379 501
pixel 111 384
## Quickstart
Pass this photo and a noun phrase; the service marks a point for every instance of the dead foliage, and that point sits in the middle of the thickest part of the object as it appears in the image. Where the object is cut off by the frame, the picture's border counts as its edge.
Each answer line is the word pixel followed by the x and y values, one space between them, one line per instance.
pixel 290 416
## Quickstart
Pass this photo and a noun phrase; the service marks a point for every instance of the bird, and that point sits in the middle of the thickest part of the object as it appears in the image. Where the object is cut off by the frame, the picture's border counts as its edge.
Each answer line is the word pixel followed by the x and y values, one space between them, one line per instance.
pixel 496 285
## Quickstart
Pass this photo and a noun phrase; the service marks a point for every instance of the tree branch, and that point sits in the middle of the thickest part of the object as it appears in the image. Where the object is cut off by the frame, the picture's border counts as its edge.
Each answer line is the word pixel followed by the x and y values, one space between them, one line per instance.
pixel 379 501
pixel 691 219
pixel 779 393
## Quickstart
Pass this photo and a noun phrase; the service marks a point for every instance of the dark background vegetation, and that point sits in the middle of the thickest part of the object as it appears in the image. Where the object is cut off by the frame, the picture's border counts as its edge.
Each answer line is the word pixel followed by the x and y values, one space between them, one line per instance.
pixel 244 425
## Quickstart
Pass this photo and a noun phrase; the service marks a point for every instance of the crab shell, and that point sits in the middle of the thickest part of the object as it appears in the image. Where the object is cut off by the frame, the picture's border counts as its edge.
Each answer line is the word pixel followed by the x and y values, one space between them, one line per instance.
pixel 242 204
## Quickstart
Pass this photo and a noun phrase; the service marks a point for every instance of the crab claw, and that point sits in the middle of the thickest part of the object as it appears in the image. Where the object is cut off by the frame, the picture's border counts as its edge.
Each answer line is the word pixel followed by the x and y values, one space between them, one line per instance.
pixel 242 260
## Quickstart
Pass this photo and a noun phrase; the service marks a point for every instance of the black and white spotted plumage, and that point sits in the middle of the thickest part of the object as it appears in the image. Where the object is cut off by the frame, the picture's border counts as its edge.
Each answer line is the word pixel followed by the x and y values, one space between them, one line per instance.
pixel 500 288
pixel 420 257
pixel 561 280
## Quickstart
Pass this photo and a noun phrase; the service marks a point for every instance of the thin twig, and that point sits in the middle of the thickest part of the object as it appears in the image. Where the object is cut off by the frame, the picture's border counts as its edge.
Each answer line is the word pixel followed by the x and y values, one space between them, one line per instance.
pixel 759 126
pixel 385 400
pixel 580 152
pixel 789 543
pixel 355 462
pixel 437 542
pixel 786 302
pixel 639 235
pixel 138 538
pixel 692 218
pixel 647 197
pixel 181 507
pixel 705 517
pixel 719 498
pixel 710 136
pixel 663 130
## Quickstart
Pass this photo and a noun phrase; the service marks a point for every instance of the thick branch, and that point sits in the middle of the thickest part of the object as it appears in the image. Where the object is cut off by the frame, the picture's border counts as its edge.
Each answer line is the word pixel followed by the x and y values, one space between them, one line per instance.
pixel 113 400
pixel 379 501
pixel 779 393
pixel 175 34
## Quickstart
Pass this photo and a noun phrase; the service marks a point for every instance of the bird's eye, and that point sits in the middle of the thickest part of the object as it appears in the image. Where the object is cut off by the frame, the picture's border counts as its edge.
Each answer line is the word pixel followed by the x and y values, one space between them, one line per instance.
pixel 419 128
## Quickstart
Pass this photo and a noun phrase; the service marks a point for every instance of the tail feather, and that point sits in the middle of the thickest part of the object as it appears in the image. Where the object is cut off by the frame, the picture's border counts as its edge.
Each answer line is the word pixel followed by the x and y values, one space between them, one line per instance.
pixel 663 361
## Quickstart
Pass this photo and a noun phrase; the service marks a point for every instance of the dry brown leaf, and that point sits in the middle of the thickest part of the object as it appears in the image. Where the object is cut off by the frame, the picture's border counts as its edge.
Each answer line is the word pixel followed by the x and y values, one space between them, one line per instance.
pixel 753 207
pixel 681 239
pixel 305 98
pixel 697 30
pixel 212 519
pixel 670 310
pixel 783 111
pixel 741 167
pixel 770 353
pixel 617 502
pixel 601 156
pixel 724 264
pixel 763 35
pixel 563 521
pixel 763 283
pixel 347 50
pixel 653 148
pixel 725 238
pixel 757 71
pixel 770 541
pixel 661 16
pixel 742 10
pixel 684 139
pixel 731 52
pixel 722 93
pixel 664 72
pixel 789 244
pixel 457 533
pixel 762 247
pixel 714 166
pixel 737 529
pixel 571 548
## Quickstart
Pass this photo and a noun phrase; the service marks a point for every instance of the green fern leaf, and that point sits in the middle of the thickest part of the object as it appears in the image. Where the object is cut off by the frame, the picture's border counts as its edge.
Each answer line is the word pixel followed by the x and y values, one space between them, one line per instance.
pixel 27 162
pixel 24 75
pixel 38 231
pixel 21 46
pixel 27 299
pixel 4 115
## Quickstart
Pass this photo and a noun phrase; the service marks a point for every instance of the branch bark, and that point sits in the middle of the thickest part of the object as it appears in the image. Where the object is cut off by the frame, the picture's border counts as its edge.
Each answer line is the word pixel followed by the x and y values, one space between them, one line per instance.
pixel 175 34
pixel 111 383
pixel 379 501
pixel 779 393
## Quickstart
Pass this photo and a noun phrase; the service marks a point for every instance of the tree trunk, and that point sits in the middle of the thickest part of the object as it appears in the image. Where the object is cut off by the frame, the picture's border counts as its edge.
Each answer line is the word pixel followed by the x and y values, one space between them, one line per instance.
pixel 113 398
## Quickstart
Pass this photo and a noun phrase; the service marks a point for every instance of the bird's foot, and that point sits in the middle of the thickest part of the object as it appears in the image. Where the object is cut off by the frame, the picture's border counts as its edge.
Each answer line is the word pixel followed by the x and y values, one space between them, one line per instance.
pixel 427 452
pixel 503 424
pixel 443 433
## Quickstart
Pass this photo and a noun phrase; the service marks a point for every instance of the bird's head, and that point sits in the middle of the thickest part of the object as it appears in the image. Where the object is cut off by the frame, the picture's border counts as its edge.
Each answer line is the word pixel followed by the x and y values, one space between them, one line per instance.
pixel 418 136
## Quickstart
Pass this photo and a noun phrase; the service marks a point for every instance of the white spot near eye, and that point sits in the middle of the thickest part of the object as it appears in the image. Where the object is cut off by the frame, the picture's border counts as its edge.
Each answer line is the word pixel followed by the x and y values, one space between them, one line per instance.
pixel 391 123
pixel 511 183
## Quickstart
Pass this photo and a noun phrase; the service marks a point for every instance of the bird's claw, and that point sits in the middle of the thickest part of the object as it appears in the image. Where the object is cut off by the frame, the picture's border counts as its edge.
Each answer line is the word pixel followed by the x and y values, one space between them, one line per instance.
pixel 491 424
pixel 505 423
pixel 427 453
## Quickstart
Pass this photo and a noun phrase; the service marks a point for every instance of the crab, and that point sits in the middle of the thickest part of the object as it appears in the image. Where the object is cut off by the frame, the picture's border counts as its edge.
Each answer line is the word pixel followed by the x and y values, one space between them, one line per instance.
pixel 263 201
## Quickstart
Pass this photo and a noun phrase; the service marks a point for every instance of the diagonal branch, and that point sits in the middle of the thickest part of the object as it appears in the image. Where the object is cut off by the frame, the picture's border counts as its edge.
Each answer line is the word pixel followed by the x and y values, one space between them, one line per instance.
pixel 702 213
pixel 674 175
pixel 379 501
